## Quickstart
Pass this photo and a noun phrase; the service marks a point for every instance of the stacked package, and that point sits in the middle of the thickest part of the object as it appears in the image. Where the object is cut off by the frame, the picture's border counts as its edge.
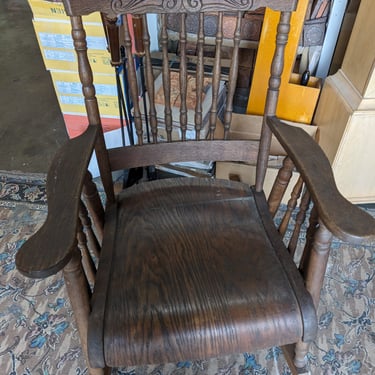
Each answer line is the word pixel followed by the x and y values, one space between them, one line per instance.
pixel 53 32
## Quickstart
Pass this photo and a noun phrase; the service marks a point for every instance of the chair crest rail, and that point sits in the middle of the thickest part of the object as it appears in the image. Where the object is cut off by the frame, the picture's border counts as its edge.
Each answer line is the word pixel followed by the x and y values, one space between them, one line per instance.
pixel 115 7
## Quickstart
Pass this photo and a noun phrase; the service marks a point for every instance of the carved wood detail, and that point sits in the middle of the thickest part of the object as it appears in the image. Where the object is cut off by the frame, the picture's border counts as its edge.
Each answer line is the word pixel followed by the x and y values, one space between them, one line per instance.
pixel 115 7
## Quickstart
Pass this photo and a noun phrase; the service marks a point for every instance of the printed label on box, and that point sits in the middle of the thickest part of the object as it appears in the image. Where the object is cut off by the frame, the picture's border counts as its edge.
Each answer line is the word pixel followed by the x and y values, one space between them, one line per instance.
pixel 51 54
pixel 51 40
pixel 64 87
pixel 71 100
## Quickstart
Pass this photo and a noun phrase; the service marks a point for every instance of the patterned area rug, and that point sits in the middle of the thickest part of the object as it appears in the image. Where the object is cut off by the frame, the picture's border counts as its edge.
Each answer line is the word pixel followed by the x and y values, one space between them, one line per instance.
pixel 38 334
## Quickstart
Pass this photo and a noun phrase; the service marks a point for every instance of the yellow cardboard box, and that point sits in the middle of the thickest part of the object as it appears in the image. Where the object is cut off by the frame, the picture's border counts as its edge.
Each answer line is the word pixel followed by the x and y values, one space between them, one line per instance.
pixel 56 46
pixel 61 59
pixel 69 93
pixel 52 33
pixel 49 9
pixel 67 82
pixel 74 104
pixel 296 102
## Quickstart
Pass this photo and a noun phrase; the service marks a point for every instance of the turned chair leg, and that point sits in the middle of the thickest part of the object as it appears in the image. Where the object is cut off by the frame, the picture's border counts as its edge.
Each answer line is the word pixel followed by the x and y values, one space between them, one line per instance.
pixel 314 269
pixel 79 295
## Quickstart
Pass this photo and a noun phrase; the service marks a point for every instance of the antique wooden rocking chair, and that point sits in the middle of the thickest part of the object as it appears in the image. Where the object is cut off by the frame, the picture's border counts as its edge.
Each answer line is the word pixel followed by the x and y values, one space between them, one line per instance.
pixel 188 268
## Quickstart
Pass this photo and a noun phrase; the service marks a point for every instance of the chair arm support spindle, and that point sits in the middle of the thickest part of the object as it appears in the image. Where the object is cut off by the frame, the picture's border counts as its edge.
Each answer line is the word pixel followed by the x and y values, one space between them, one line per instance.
pixel 345 220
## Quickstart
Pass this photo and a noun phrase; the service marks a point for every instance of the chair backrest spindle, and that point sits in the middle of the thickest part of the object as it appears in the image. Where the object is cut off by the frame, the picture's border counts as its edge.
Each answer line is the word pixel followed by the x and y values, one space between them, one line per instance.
pixel 183 77
pixel 149 80
pixel 216 75
pixel 199 77
pixel 232 76
pixel 133 85
pixel 272 97
pixel 166 78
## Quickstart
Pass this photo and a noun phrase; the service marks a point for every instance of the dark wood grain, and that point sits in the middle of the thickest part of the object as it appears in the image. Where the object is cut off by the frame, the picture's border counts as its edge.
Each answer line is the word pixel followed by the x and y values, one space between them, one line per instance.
pixel 183 76
pixel 115 7
pixel 50 249
pixel 79 296
pixel 315 270
pixel 306 306
pixel 188 268
pixel 199 78
pixel 112 35
pixel 233 72
pixel 92 241
pixel 173 295
pixel 133 83
pixel 87 261
pixel 94 205
pixel 95 332
pixel 272 97
pixel 343 219
pixel 280 185
pixel 166 79
pixel 216 76
pixel 292 203
pixel 150 80
pixel 162 153
pixel 300 219
pixel 91 103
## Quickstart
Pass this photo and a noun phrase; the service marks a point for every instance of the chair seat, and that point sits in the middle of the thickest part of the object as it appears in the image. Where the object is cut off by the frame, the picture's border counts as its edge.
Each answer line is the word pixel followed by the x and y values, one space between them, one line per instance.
pixel 182 234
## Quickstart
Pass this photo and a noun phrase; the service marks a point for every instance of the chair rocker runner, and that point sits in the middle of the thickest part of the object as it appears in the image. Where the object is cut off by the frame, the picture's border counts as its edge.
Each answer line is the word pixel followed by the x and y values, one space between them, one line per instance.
pixel 188 268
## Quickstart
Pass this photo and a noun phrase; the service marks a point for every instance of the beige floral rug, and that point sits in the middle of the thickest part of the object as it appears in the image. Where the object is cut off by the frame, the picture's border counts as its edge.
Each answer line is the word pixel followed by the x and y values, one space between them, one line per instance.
pixel 38 334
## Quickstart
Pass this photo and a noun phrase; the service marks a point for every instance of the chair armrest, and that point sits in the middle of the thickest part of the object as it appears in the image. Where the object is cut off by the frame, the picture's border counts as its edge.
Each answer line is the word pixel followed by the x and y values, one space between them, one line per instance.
pixel 50 248
pixel 345 220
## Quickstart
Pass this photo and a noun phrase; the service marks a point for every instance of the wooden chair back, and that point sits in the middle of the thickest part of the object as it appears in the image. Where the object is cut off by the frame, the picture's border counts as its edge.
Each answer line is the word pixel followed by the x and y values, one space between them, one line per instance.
pixel 203 145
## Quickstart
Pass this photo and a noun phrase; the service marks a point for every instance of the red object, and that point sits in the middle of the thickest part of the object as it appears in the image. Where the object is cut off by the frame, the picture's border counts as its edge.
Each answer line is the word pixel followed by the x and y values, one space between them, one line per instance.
pixel 77 124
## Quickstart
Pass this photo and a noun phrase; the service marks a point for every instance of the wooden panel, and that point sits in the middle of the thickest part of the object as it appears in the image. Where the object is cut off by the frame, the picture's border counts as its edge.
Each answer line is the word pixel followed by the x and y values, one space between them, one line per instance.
pixel 163 153
pixel 228 309
pixel 346 134
pixel 331 116
pixel 359 60
pixel 250 29
pixel 354 163
pixel 113 7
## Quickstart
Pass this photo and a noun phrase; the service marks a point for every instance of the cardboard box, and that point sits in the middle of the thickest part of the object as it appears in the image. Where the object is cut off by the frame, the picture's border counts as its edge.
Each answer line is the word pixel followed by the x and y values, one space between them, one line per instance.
pixel 74 104
pixel 67 82
pixel 296 102
pixel 53 33
pixel 246 173
pixel 61 59
pixel 54 10
pixel 68 90
pixel 249 127
pixel 56 45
